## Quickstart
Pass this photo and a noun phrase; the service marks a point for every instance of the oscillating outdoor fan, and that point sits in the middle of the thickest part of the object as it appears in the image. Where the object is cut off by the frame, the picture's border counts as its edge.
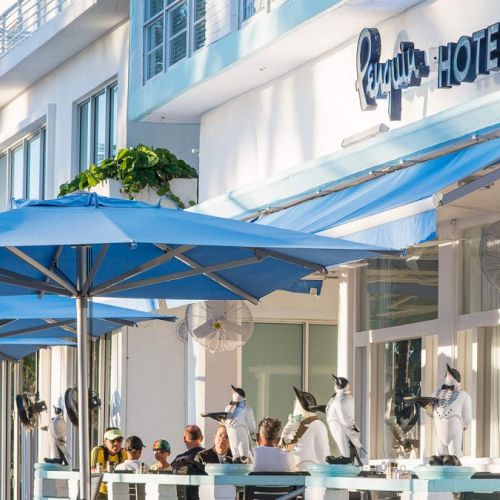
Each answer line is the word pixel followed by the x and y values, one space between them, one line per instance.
pixel 29 408
pixel 71 403
pixel 489 253
pixel 181 331
pixel 220 325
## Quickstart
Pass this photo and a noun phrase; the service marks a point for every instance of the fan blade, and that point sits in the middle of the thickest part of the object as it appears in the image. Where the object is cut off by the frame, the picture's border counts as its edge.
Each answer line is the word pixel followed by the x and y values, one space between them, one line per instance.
pixel 204 330
pixel 231 326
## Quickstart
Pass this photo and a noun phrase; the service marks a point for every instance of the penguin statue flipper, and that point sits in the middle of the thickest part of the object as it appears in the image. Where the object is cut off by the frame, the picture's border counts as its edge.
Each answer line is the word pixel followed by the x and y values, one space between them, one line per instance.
pixel 219 416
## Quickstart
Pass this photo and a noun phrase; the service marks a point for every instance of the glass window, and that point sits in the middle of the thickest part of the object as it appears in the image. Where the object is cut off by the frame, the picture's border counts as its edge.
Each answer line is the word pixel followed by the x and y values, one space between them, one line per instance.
pixel 489 393
pixel 251 7
pixel 99 127
pixel 402 377
pixel 17 172
pixel 4 186
pixel 478 293
pixel 98 118
pixel 399 291
pixel 85 130
pixel 271 365
pixel 172 33
pixel 35 167
pixel 322 360
pixel 113 113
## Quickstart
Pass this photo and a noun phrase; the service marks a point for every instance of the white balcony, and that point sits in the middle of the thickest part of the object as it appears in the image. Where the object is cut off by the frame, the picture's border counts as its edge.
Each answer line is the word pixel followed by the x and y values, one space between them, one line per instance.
pixel 37 36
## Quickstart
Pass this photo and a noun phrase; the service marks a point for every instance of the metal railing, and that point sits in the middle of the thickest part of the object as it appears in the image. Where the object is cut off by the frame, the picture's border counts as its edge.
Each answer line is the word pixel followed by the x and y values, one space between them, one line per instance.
pixel 24 18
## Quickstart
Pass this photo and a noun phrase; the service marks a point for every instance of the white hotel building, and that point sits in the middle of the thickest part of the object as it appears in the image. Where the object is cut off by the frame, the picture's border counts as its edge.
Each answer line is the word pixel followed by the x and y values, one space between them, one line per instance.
pixel 260 97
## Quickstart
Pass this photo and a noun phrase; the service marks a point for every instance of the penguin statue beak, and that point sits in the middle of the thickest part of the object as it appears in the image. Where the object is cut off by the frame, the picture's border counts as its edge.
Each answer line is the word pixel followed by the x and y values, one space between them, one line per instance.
pixel 233 387
pixel 335 379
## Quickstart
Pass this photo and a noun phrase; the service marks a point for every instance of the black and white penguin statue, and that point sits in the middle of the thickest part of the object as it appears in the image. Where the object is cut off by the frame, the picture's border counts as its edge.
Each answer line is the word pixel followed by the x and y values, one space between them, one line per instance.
pixel 304 435
pixel 340 418
pixel 57 438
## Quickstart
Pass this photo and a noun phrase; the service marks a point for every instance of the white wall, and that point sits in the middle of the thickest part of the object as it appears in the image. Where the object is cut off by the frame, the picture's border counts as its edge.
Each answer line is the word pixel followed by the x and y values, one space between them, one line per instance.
pixel 306 113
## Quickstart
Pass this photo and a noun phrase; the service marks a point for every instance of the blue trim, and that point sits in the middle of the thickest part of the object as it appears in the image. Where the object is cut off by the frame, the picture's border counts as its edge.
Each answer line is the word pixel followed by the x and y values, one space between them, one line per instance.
pixel 211 60
pixel 478 116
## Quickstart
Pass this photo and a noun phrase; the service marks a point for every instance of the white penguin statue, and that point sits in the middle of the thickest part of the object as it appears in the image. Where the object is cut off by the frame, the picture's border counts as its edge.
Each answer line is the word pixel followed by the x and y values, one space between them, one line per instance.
pixel 240 425
pixel 57 438
pixel 452 413
pixel 340 418
pixel 304 435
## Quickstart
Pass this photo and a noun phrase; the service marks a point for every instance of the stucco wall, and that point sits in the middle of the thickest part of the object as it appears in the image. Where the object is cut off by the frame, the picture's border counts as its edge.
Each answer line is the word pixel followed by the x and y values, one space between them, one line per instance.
pixel 306 113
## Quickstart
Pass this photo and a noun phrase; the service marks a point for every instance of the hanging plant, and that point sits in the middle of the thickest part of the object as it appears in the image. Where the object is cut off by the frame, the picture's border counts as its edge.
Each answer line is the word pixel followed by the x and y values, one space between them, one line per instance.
pixel 136 168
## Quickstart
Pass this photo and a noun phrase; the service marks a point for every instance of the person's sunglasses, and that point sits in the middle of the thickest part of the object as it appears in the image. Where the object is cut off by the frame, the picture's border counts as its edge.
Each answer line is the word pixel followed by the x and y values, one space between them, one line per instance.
pixel 117 440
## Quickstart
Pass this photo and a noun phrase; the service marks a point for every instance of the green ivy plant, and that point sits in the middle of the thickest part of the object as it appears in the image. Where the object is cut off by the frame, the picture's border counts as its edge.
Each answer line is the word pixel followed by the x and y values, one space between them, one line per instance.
pixel 136 168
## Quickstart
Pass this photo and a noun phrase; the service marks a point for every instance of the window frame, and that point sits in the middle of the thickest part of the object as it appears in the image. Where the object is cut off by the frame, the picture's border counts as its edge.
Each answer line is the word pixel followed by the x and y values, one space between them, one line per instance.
pixel 24 143
pixel 268 7
pixel 165 44
pixel 110 128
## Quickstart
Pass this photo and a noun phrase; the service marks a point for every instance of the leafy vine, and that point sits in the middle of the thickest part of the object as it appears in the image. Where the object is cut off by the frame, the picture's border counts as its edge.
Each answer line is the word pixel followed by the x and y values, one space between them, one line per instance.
pixel 136 168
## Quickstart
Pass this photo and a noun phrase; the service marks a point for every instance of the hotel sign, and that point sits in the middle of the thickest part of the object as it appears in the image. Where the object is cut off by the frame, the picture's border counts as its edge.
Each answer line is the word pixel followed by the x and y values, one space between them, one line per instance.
pixel 458 62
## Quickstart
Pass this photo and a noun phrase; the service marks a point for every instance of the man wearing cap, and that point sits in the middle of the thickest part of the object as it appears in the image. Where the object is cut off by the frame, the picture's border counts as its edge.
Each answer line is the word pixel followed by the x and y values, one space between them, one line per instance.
pixel 110 451
pixel 161 448
pixel 133 448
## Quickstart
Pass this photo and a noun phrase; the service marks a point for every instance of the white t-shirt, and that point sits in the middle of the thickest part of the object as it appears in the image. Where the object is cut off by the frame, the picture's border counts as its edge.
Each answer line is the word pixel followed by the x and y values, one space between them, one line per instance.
pixel 269 459
pixel 129 465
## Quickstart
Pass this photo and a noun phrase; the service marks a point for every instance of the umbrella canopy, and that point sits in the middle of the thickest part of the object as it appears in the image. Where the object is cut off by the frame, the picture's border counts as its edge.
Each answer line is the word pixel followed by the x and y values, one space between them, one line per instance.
pixel 26 317
pixel 84 245
pixel 17 350
pixel 147 251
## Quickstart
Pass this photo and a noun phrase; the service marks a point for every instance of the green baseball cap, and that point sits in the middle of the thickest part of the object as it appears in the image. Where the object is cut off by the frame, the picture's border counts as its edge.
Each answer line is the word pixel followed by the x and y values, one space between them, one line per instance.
pixel 161 445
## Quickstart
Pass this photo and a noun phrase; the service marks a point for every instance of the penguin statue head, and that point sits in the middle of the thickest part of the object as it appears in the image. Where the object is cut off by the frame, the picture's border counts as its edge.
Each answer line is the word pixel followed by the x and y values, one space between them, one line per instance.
pixel 303 402
pixel 238 394
pixel 57 410
pixel 452 376
pixel 341 383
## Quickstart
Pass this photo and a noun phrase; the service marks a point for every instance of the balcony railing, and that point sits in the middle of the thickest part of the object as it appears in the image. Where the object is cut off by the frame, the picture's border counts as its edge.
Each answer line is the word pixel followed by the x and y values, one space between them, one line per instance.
pixel 24 18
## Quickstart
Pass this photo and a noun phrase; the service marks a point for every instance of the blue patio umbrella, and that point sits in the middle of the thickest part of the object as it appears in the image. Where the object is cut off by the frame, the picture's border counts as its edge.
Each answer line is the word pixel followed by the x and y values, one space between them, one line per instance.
pixel 16 350
pixel 83 245
pixel 26 317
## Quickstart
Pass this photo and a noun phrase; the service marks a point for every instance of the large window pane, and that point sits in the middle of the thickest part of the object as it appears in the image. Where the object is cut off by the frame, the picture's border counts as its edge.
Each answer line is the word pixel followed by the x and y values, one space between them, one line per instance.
pixel 178 19
pixel 152 8
pixel 251 7
pixel 322 360
pixel 478 293
pixel 113 117
pixel 85 131
pixel 178 48
pixel 399 291
pixel 4 186
pixel 17 173
pixel 271 365
pixel 99 128
pixel 154 48
pixel 35 166
pixel 402 377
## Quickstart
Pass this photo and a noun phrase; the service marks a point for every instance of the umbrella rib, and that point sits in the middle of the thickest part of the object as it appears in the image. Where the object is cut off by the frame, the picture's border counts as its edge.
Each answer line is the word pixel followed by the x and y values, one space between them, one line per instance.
pixel 25 282
pixel 219 280
pixel 5 322
pixel 120 322
pixel 293 260
pixel 97 264
pixel 68 328
pixel 40 328
pixel 39 267
pixel 53 264
pixel 146 266
pixel 184 274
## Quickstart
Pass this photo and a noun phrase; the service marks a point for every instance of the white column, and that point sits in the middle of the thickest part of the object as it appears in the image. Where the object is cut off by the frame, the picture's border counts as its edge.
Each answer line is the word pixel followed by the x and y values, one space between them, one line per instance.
pixel 347 319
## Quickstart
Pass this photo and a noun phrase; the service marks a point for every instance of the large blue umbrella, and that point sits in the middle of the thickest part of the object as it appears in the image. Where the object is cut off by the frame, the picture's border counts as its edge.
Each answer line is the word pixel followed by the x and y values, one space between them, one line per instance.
pixel 26 317
pixel 16 350
pixel 84 245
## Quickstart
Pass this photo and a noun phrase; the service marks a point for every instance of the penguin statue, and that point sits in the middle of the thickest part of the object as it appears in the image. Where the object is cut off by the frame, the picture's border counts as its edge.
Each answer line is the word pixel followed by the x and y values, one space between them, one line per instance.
pixel 304 435
pixel 451 408
pixel 239 420
pixel 340 418
pixel 57 439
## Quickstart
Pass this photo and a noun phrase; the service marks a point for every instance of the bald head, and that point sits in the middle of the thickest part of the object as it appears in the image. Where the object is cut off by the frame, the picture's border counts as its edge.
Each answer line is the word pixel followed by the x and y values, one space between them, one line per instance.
pixel 192 436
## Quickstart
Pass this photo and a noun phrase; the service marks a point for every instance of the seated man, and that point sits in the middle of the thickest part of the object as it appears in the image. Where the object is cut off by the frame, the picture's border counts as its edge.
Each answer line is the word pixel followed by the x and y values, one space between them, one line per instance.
pixel 161 448
pixel 111 452
pixel 267 457
pixel 220 452
pixel 133 448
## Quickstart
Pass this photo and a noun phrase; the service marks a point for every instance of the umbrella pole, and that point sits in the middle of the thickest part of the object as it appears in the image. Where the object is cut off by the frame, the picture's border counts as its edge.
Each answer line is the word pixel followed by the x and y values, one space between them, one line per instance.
pixel 83 391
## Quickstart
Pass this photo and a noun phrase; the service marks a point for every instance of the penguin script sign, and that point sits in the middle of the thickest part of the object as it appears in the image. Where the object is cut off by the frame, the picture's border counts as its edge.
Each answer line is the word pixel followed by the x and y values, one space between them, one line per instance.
pixel 461 61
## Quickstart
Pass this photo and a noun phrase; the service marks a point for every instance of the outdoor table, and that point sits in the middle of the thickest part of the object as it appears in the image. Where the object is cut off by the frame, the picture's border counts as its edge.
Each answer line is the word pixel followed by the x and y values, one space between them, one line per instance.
pixel 64 485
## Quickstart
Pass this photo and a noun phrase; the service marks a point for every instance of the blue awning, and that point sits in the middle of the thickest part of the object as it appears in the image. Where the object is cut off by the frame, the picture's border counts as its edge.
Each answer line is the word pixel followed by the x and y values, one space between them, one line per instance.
pixel 396 210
